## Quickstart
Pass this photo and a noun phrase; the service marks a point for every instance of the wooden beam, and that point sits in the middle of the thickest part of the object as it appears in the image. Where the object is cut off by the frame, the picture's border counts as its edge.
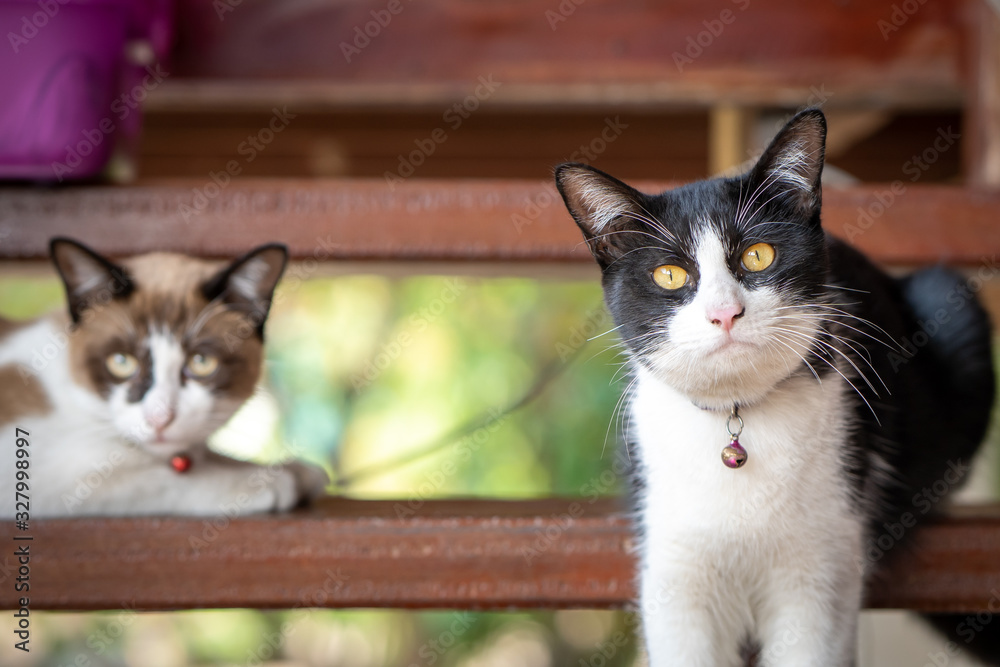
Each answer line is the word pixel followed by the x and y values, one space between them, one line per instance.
pixel 982 141
pixel 729 139
pixel 446 220
pixel 474 554
pixel 329 54
pixel 747 88
pixel 368 144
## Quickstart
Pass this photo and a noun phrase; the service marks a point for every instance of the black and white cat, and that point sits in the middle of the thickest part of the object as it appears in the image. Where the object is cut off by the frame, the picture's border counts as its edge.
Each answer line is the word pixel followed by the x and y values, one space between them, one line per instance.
pixel 781 415
pixel 119 394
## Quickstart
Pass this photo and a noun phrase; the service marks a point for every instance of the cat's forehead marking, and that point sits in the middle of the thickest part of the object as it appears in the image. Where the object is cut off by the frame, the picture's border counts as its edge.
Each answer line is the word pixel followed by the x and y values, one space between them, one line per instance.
pixel 166 362
pixel 710 254
pixel 168 293
pixel 169 272
pixel 21 396
pixel 709 231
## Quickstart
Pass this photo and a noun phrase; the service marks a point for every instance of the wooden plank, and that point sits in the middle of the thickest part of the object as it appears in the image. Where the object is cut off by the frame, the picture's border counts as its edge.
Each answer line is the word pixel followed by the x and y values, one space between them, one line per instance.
pixel 447 220
pixel 550 53
pixel 489 144
pixel 951 566
pixel 745 88
pixel 342 554
pixel 909 147
pixel 982 142
pixel 551 553
pixel 498 144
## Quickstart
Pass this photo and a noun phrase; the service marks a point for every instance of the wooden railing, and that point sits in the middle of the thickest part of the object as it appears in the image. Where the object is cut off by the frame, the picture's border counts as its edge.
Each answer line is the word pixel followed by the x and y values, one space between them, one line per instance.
pixel 455 221
pixel 471 554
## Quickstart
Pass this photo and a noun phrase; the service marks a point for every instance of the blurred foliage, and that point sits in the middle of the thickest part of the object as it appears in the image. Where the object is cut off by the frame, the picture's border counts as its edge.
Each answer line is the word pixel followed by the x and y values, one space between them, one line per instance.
pixel 26 298
pixel 308 637
pixel 365 369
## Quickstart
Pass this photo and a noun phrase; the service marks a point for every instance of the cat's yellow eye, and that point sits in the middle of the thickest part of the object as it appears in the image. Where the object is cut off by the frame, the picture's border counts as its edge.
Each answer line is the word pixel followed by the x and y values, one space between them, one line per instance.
pixel 670 277
pixel 758 257
pixel 121 365
pixel 202 365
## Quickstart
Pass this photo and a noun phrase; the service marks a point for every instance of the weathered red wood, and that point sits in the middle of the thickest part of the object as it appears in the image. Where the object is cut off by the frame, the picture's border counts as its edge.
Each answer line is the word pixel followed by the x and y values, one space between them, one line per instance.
pixel 428 220
pixel 342 554
pixel 982 145
pixel 365 143
pixel 951 566
pixel 474 554
pixel 603 51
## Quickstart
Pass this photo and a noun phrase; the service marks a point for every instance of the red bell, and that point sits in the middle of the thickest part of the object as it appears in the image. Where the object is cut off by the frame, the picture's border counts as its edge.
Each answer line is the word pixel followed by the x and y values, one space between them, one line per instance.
pixel 181 463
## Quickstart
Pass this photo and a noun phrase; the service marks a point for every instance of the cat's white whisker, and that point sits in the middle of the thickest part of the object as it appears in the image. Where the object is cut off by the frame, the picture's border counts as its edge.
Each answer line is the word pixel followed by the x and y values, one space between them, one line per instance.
pixel 836 350
pixel 210 310
pixel 616 413
pixel 847 289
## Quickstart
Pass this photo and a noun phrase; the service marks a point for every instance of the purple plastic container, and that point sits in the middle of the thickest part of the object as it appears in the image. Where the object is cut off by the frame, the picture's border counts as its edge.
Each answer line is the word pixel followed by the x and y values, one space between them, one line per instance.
pixel 73 74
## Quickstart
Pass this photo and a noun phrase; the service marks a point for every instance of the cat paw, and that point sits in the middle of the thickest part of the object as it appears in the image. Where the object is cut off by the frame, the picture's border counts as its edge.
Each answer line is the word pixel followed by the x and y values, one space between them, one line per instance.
pixel 310 480
pixel 290 485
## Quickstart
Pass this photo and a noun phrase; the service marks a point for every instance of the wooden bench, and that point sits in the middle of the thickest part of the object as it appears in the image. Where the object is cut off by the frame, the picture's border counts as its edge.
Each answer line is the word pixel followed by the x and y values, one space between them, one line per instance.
pixel 469 554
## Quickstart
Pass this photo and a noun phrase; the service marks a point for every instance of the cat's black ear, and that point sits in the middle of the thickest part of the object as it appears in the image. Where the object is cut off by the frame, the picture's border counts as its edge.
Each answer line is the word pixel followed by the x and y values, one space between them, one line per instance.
pixel 602 206
pixel 793 162
pixel 248 282
pixel 89 278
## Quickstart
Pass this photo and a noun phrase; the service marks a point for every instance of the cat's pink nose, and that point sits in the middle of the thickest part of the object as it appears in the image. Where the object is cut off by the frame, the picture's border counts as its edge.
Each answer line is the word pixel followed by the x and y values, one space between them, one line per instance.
pixel 726 316
pixel 160 418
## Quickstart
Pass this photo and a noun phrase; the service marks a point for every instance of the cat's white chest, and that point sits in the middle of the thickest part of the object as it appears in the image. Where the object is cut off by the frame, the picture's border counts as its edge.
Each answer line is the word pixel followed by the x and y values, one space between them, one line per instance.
pixel 751 549
pixel 791 495
pixel 794 441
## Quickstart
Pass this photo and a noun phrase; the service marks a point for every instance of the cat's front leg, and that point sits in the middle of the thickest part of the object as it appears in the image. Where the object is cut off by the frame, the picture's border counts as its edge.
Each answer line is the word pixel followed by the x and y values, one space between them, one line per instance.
pixel 681 623
pixel 213 485
pixel 246 488
pixel 812 619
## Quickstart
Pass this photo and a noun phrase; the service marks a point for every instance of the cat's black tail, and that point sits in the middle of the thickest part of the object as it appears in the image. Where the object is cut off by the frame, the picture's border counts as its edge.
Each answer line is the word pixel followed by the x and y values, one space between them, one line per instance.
pixel 953 330
pixel 969 635
pixel 956 335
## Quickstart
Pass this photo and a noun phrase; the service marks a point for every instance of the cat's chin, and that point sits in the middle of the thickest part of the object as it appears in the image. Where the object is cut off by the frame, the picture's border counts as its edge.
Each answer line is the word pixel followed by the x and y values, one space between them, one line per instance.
pixel 723 397
pixel 721 380
pixel 724 402
pixel 731 348
pixel 164 449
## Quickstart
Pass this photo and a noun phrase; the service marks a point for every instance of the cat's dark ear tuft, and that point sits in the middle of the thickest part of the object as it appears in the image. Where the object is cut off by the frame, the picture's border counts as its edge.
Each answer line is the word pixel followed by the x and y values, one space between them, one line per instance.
pixel 793 161
pixel 601 205
pixel 89 278
pixel 248 283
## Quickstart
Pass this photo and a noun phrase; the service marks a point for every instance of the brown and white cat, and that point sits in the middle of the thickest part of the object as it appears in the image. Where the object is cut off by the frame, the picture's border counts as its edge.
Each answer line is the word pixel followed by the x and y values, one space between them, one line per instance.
pixel 119 394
